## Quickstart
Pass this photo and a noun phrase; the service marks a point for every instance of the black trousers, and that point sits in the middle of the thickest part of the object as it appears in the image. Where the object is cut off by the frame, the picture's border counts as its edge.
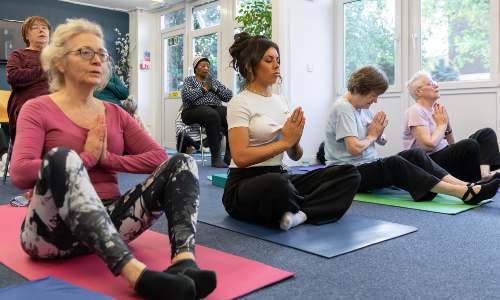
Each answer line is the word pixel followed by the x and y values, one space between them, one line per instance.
pixel 4 145
pixel 187 142
pixel 213 118
pixel 464 158
pixel 411 170
pixel 264 194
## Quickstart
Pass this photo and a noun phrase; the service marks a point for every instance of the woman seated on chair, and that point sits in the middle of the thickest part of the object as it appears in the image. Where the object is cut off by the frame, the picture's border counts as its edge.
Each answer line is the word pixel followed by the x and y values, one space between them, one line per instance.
pixel 261 129
pixel 427 125
pixel 68 151
pixel 191 141
pixel 352 129
pixel 202 96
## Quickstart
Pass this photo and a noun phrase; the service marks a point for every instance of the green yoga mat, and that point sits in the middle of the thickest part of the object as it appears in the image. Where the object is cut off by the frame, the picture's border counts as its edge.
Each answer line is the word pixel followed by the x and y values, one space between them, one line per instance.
pixel 441 204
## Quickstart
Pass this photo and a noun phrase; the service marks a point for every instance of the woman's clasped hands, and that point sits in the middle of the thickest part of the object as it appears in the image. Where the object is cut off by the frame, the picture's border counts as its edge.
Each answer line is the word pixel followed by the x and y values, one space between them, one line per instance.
pixel 97 139
pixel 294 127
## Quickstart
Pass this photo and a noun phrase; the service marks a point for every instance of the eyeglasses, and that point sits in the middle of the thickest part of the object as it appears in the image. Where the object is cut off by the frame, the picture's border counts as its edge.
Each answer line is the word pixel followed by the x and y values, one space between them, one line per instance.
pixel 431 83
pixel 90 54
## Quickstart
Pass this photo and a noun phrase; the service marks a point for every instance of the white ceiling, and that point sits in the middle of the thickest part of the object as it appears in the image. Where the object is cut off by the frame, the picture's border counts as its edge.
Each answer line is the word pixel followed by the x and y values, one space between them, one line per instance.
pixel 123 5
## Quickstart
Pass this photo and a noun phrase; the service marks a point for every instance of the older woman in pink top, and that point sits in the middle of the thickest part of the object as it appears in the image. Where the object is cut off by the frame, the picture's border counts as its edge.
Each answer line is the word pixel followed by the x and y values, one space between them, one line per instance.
pixel 427 125
pixel 68 150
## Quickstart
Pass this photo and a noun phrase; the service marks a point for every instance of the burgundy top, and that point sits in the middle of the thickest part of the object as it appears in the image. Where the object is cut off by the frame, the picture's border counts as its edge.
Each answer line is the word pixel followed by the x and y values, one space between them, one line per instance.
pixel 26 76
pixel 44 126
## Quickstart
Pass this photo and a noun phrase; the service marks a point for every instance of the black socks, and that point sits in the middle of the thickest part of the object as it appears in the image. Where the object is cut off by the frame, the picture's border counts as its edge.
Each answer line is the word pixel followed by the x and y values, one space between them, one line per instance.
pixel 217 160
pixel 159 285
pixel 205 281
pixel 487 191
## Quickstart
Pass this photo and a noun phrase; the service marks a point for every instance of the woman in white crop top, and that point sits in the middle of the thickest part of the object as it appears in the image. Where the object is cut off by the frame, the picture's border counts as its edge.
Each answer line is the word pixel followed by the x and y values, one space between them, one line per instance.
pixel 261 128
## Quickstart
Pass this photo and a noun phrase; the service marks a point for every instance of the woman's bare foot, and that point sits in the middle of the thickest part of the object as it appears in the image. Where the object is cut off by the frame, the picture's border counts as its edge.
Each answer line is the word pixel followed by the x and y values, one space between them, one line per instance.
pixel 130 273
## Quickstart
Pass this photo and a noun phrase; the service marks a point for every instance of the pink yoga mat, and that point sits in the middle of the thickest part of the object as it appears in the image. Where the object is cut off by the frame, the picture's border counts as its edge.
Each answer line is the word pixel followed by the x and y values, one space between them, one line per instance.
pixel 236 276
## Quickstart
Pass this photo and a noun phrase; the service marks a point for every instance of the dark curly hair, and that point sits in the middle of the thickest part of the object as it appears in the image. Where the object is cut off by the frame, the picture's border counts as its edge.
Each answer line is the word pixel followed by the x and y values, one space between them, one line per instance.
pixel 248 51
pixel 366 79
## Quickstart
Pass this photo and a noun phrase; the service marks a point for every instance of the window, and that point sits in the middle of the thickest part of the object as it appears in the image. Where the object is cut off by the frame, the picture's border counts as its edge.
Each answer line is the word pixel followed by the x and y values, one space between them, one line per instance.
pixel 456 39
pixel 206 46
pixel 206 15
pixel 174 63
pixel 174 18
pixel 369 37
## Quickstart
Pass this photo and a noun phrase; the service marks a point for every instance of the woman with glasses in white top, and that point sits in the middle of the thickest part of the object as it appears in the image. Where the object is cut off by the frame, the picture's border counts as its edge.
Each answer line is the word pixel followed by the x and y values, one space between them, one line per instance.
pixel 426 125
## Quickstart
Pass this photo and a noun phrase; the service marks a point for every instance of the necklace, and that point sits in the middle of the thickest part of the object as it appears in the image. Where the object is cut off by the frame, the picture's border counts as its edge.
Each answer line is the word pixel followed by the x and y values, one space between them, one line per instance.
pixel 255 92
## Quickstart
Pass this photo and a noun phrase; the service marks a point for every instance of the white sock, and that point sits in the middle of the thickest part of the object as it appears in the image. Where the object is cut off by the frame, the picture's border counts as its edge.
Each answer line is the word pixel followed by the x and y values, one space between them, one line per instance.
pixel 290 220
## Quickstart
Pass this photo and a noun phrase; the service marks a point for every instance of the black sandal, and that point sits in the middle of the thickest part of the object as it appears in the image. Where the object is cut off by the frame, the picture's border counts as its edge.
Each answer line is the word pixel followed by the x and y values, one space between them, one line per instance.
pixel 487 191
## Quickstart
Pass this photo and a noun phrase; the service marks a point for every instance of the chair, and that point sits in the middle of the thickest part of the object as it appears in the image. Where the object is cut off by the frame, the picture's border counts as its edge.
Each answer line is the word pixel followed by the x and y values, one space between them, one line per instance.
pixel 4 118
pixel 189 128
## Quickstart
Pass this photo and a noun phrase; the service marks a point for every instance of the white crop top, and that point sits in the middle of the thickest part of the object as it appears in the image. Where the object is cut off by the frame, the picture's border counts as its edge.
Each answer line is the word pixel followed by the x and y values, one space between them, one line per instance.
pixel 263 116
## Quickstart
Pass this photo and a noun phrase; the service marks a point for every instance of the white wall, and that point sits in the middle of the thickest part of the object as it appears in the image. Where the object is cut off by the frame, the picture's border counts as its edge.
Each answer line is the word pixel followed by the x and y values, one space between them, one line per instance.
pixel 306 32
pixel 145 83
pixel 305 36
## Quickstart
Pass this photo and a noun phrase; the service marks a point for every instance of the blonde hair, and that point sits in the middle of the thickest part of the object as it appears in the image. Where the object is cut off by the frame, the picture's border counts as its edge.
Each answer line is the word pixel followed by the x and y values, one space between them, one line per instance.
pixel 26 27
pixel 415 82
pixel 59 47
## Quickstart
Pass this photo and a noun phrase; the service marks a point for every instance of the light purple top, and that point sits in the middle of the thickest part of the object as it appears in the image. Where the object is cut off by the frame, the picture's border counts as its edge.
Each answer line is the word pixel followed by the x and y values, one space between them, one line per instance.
pixel 415 116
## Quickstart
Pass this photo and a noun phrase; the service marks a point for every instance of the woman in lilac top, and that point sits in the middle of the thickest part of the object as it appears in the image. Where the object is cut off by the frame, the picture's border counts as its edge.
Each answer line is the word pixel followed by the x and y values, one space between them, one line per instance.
pixel 426 125
pixel 68 151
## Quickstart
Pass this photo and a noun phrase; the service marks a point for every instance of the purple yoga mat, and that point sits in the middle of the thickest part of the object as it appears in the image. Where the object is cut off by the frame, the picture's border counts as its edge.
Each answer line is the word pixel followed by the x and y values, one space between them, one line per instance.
pixel 311 168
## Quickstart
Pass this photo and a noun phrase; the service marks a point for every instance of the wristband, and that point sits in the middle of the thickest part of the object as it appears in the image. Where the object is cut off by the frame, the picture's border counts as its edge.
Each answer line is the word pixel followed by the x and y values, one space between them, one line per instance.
pixel 371 142
pixel 448 132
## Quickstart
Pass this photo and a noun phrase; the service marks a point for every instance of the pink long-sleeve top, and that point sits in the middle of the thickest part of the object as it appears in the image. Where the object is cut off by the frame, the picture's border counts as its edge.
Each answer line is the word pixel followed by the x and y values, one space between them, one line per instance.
pixel 42 126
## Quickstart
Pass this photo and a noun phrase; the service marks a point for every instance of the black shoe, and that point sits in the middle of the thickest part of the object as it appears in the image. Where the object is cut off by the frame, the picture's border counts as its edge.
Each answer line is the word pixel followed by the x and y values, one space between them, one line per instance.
pixel 487 191
pixel 217 160
pixel 495 176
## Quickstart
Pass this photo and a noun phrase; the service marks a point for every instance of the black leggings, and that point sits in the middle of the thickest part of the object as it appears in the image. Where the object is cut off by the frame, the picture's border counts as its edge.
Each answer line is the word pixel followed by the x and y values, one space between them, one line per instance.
pixel 4 145
pixel 264 194
pixel 186 143
pixel 66 218
pixel 464 158
pixel 213 118
pixel 411 170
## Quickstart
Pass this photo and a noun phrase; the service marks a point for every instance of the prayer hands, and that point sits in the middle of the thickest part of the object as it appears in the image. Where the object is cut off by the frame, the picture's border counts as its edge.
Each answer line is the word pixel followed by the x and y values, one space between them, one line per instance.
pixel 440 115
pixel 378 124
pixel 294 127
pixel 208 83
pixel 97 139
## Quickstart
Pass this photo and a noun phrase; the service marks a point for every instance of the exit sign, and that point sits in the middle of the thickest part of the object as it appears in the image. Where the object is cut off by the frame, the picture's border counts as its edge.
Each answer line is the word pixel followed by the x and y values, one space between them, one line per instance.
pixel 173 41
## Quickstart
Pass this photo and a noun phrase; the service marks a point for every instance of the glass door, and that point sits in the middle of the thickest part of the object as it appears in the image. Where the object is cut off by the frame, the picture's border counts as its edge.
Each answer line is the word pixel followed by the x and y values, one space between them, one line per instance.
pixel 173 74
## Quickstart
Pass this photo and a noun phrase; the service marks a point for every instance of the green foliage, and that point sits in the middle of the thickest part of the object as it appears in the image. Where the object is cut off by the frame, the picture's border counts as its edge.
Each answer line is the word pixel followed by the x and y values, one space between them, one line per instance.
pixel 442 72
pixel 175 65
pixel 369 36
pixel 174 18
pixel 206 46
pixel 256 17
pixel 209 16
pixel 467 25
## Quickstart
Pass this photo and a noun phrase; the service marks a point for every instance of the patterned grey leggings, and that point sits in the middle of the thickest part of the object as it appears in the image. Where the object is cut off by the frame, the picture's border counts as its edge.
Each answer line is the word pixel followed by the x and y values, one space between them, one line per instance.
pixel 66 218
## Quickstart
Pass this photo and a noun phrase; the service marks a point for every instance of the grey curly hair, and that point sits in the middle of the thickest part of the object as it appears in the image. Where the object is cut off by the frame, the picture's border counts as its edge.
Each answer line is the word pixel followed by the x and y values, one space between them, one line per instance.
pixel 59 47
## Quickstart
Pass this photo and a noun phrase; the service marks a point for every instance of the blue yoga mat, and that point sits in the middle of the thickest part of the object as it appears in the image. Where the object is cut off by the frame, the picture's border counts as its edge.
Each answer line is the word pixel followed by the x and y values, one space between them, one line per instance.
pixel 49 288
pixel 348 234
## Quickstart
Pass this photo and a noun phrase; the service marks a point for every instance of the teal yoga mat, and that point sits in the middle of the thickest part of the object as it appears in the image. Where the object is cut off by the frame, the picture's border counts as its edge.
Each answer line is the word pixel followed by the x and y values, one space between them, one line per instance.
pixel 441 204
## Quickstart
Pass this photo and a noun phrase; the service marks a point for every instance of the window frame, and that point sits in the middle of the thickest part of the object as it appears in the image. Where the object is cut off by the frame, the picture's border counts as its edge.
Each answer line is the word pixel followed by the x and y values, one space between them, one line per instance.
pixel 397 86
pixel 493 81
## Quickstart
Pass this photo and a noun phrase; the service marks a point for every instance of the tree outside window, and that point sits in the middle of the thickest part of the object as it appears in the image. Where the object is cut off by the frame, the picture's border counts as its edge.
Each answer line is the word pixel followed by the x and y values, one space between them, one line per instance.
pixel 456 39
pixel 369 32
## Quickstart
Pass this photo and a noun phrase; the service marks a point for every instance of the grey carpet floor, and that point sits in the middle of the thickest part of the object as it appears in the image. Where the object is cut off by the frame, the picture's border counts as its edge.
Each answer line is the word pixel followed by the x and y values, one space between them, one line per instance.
pixel 450 257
